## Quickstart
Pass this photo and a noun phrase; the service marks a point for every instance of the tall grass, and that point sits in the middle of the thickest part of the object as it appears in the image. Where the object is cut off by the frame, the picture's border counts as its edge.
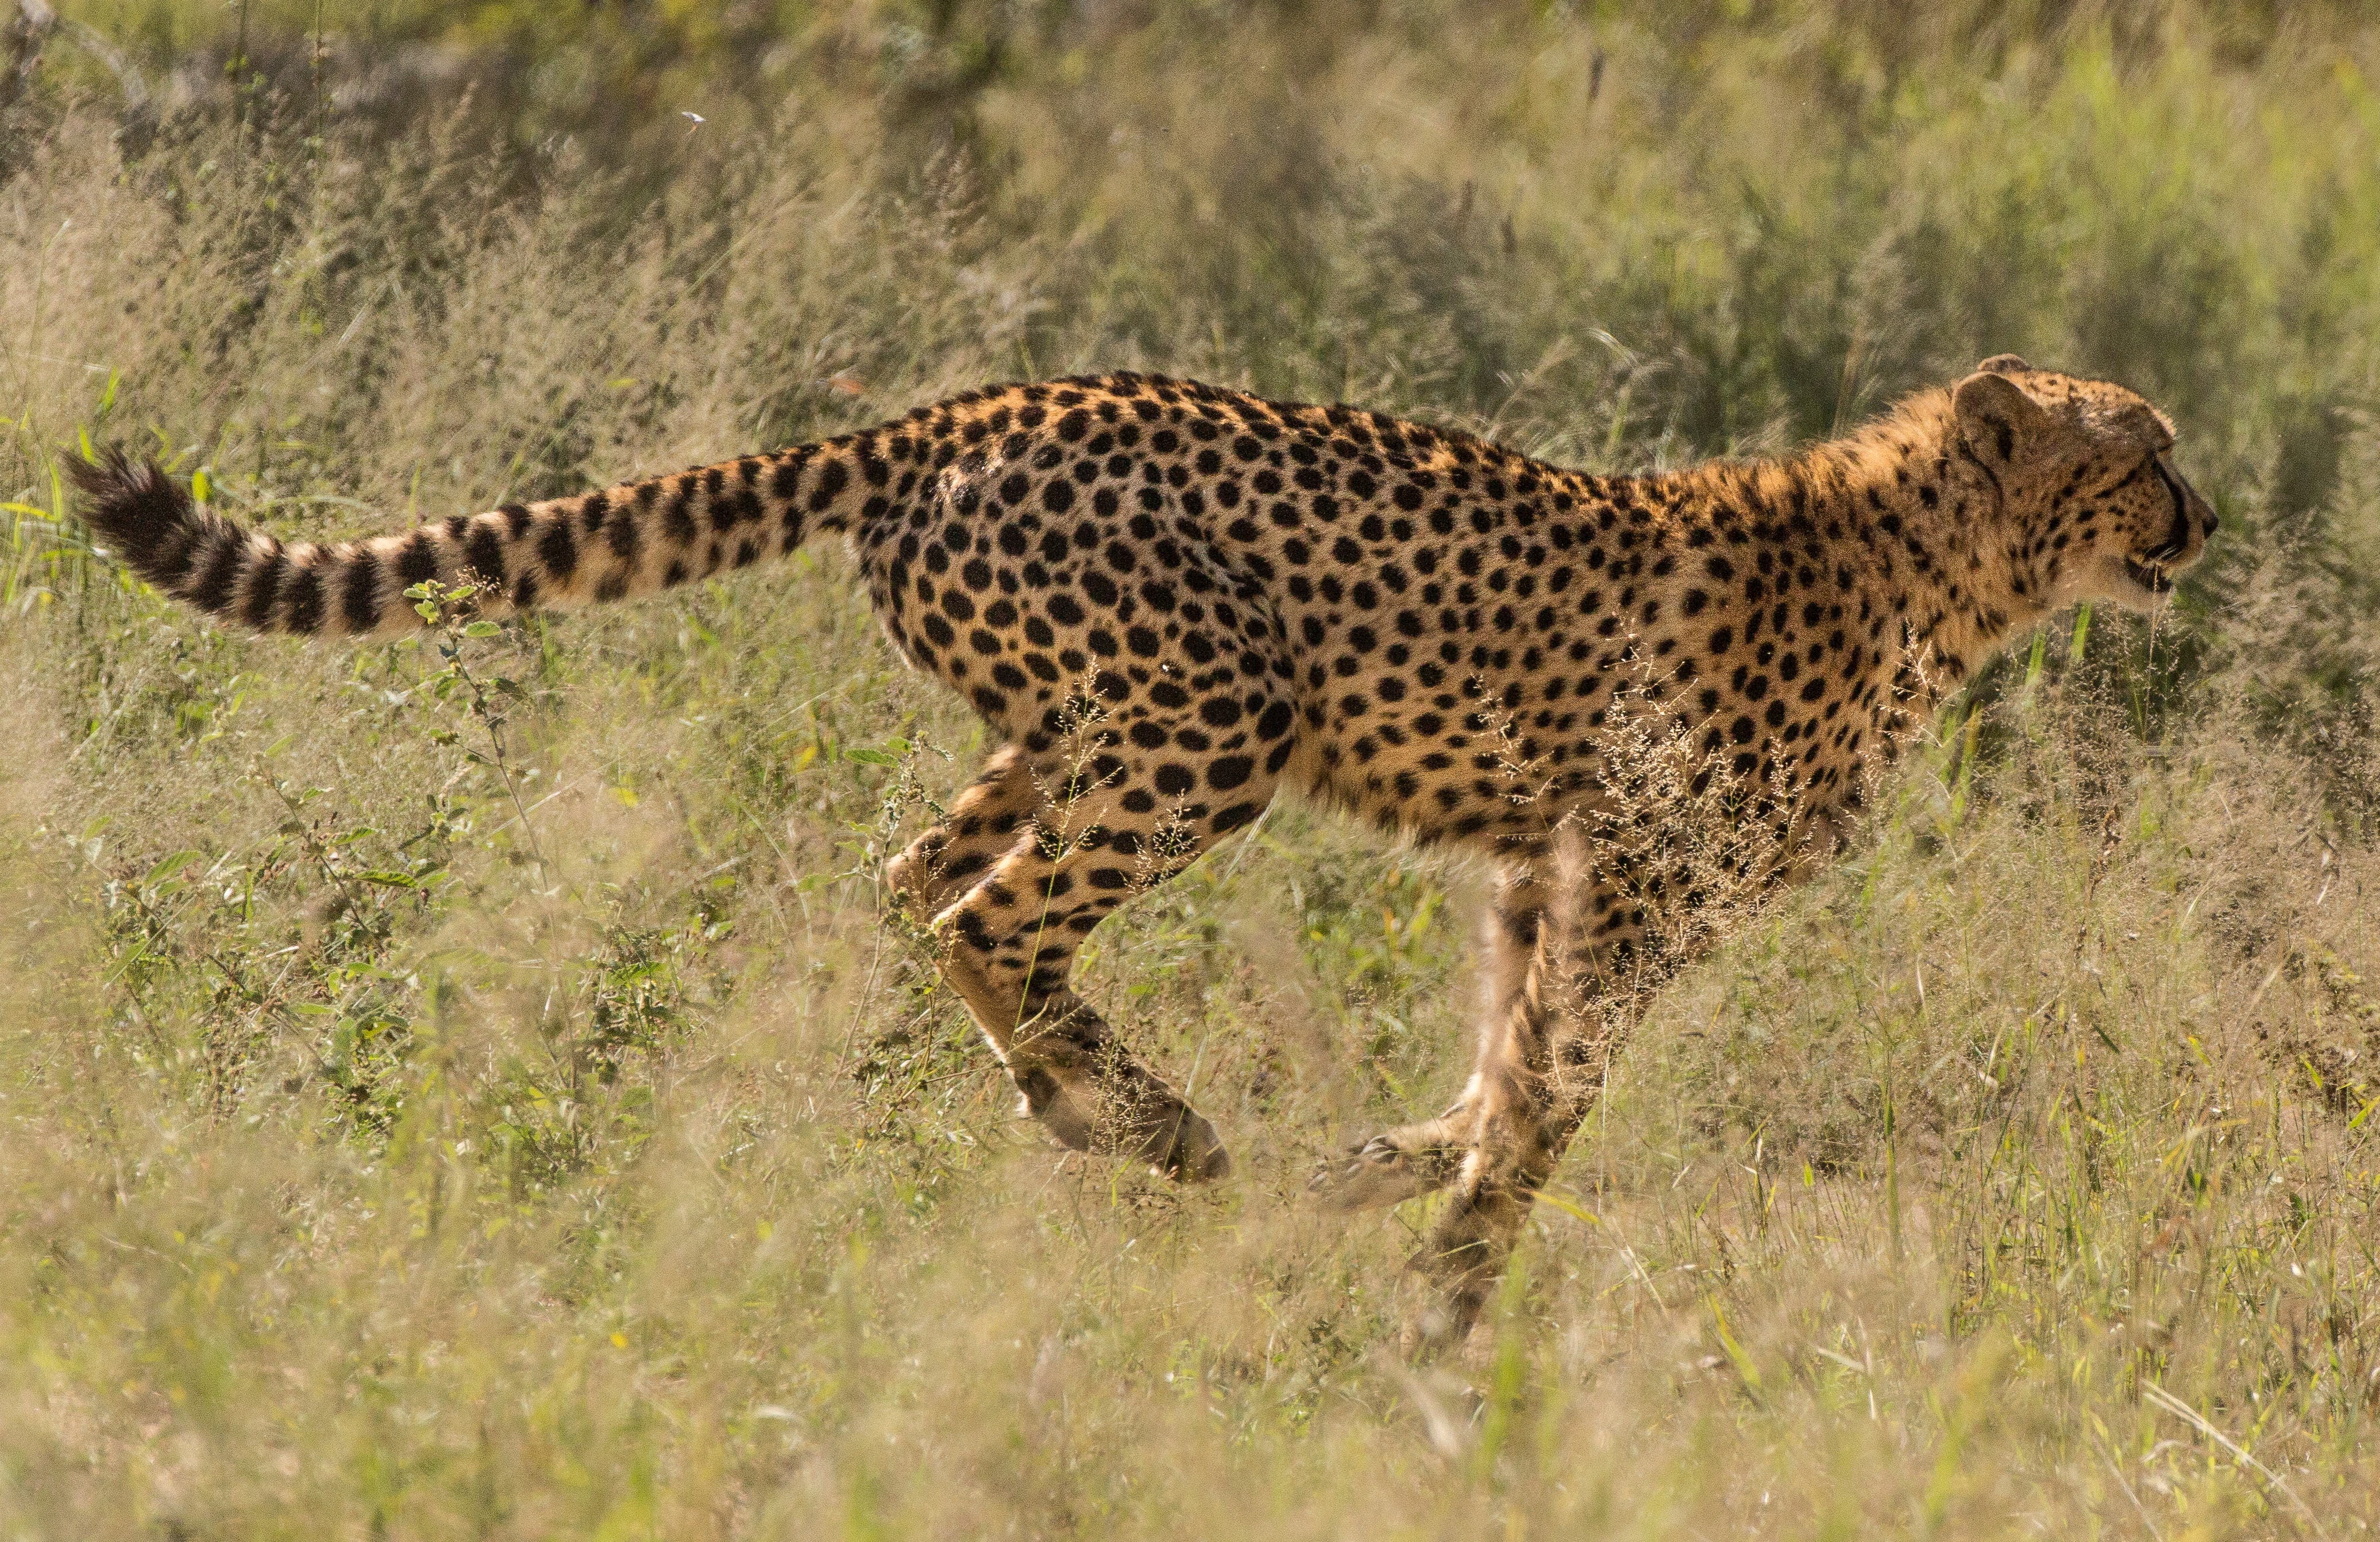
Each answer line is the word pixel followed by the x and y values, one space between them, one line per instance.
pixel 471 1087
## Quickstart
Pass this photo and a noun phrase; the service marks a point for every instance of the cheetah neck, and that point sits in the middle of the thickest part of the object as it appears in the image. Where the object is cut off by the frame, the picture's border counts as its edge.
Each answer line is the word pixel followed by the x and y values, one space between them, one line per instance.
pixel 1922 524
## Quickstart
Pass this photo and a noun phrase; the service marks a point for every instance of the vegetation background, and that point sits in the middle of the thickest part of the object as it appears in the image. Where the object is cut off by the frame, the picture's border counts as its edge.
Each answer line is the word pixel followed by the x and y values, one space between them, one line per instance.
pixel 469 1086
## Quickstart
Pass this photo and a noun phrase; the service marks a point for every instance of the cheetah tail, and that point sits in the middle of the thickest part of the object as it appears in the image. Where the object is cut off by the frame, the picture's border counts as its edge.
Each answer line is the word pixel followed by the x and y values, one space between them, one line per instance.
pixel 616 543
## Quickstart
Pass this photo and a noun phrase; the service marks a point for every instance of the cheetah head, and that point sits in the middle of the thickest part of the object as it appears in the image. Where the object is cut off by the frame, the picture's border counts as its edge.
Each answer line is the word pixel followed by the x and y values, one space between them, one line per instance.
pixel 2096 510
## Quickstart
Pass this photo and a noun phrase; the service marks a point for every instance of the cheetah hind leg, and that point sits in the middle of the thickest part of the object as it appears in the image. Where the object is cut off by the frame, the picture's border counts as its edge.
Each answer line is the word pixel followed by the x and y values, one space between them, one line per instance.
pixel 1072 1075
pixel 1397 1165
pixel 1010 941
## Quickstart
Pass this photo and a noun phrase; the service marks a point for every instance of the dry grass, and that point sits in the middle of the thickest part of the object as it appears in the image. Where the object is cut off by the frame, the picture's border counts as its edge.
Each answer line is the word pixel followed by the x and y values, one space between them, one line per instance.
pixel 423 1119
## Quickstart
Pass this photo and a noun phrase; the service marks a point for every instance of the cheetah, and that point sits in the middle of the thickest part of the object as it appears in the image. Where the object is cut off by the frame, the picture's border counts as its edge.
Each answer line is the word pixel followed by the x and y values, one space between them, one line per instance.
pixel 1169 600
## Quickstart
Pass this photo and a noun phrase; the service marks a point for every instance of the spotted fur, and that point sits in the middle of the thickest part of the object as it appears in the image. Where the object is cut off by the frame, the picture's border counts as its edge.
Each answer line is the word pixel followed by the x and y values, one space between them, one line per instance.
pixel 1170 600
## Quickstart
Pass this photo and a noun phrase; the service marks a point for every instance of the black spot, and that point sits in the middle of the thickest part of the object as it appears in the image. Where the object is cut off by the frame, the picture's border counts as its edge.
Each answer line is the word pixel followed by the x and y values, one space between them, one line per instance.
pixel 557 551
pixel 306 600
pixel 212 593
pixel 361 600
pixel 417 559
pixel 832 476
pixel 623 537
pixel 263 587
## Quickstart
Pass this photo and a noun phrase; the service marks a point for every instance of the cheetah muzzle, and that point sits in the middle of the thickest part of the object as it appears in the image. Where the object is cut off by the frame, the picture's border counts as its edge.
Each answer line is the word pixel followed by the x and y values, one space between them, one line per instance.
pixel 1647 699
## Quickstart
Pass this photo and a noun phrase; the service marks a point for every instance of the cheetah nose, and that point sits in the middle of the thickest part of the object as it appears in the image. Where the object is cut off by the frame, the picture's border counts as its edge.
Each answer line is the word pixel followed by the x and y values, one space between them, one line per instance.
pixel 2204 510
pixel 2194 507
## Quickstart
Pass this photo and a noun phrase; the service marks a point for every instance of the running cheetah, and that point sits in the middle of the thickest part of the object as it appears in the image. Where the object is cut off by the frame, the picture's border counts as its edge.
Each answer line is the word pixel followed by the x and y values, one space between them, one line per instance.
pixel 1169 600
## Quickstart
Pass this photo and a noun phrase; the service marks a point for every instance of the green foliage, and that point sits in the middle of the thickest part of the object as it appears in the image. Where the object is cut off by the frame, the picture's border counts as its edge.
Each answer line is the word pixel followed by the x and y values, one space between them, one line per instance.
pixel 473 1084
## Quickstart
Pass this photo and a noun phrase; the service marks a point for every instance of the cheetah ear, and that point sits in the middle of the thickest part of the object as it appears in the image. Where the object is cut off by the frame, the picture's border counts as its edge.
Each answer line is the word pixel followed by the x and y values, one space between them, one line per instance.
pixel 1997 418
pixel 2004 364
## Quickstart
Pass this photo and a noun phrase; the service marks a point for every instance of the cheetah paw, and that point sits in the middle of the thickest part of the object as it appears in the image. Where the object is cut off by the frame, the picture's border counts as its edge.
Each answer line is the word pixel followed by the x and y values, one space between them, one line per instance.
pixel 1186 1146
pixel 1384 1170
pixel 1161 1130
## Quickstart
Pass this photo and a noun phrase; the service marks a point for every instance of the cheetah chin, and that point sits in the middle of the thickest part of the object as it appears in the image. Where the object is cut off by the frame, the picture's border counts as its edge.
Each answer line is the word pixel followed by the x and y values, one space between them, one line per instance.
pixel 1650 700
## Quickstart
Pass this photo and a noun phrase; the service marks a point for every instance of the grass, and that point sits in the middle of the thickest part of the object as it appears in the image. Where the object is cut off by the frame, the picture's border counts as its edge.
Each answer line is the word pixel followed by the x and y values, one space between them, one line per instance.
pixel 471 1086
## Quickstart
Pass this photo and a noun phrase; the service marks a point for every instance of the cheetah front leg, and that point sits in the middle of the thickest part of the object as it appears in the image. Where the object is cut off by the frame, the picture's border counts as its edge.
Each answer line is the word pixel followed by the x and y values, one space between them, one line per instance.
pixel 1587 981
pixel 1418 1158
